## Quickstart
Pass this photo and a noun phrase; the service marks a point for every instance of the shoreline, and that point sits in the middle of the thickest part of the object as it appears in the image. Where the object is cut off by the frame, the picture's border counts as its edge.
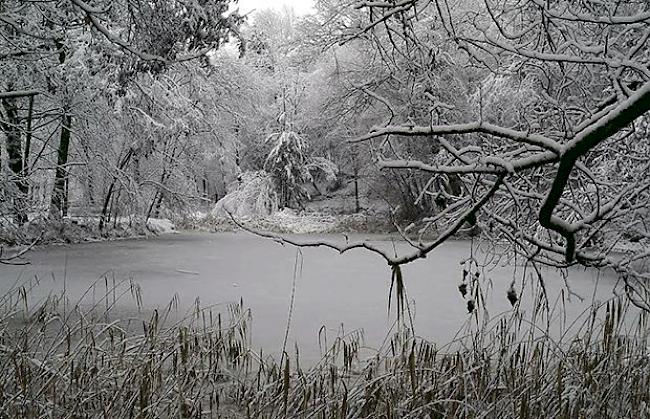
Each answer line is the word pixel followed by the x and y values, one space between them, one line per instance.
pixel 79 230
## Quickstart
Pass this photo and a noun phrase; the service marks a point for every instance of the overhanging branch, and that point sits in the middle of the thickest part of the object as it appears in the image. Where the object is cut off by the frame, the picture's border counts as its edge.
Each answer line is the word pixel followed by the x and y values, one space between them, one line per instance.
pixel 616 120
pixel 19 93
pixel 470 128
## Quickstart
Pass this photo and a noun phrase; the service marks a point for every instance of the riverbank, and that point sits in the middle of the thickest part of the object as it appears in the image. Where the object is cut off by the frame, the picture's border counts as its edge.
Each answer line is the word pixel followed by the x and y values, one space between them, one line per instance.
pixel 42 231
pixel 292 222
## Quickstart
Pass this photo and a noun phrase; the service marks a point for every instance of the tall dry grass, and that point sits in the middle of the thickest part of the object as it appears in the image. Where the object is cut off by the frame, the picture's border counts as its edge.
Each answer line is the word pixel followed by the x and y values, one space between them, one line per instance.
pixel 79 362
pixel 60 359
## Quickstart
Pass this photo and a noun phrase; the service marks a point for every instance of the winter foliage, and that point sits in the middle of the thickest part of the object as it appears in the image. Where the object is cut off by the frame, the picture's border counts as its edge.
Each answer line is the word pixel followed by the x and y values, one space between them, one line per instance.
pixel 253 194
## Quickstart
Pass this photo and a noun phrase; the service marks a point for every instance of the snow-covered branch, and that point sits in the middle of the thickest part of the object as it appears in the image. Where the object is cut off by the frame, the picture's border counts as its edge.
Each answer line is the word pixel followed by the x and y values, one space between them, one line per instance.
pixel 475 127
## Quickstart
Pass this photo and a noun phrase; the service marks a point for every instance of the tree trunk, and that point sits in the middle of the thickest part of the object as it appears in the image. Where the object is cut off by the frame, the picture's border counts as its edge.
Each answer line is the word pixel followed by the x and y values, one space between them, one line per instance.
pixel 156 203
pixel 11 127
pixel 107 200
pixel 59 200
pixel 109 194
pixel 355 168
pixel 156 210
pixel 357 205
pixel 28 137
pixel 116 205
pixel 66 195
pixel 89 177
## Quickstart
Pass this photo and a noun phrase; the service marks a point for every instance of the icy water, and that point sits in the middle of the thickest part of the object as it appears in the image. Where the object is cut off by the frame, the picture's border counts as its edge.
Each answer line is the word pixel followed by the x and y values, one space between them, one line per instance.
pixel 330 289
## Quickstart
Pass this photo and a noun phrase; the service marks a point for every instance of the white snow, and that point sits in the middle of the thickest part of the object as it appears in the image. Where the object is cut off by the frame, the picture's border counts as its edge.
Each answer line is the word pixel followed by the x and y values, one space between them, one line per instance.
pixel 160 225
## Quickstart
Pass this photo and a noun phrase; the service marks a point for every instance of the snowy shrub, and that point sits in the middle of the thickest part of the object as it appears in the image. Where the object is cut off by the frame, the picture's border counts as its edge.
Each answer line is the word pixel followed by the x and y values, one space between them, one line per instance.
pixel 320 166
pixel 286 162
pixel 291 166
pixel 253 194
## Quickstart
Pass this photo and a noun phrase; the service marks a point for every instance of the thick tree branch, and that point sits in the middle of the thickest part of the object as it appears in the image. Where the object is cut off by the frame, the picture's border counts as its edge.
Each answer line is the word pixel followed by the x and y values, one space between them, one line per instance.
pixel 474 127
pixel 19 93
pixel 616 120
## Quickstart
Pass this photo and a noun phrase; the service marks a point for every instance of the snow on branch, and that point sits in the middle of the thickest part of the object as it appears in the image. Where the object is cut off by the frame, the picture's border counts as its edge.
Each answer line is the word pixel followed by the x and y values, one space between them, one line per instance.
pixel 474 127
pixel 616 120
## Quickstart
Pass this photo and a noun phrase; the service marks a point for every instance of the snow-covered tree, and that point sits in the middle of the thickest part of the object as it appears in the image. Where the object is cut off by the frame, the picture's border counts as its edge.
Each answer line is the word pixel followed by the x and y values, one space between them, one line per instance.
pixel 69 58
pixel 552 87
pixel 292 166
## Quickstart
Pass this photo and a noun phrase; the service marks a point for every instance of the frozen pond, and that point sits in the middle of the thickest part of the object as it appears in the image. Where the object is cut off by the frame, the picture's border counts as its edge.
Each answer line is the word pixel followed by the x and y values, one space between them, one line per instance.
pixel 331 290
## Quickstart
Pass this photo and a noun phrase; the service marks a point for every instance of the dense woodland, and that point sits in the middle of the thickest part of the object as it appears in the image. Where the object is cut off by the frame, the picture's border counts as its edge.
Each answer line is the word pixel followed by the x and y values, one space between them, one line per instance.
pixel 524 120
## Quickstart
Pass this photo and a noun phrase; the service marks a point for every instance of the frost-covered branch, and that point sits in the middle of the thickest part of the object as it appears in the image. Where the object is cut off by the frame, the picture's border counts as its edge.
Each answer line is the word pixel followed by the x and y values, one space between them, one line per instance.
pixel 560 106
pixel 476 127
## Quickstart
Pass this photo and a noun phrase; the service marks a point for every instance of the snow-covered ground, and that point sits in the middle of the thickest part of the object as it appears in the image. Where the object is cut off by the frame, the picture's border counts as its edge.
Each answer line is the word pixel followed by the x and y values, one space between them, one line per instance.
pixel 290 221
pixel 80 229
pixel 161 225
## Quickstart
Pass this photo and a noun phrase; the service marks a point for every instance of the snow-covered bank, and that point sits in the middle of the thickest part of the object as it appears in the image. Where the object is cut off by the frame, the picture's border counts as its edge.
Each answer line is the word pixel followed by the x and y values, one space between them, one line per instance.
pixel 43 231
pixel 289 221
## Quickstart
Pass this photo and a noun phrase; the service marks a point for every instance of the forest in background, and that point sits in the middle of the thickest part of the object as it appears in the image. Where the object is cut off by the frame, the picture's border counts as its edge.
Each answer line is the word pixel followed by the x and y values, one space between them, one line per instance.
pixel 94 127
